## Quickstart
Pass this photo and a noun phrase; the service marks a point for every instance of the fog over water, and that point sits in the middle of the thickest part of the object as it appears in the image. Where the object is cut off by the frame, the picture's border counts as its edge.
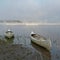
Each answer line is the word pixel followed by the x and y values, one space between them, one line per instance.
pixel 30 10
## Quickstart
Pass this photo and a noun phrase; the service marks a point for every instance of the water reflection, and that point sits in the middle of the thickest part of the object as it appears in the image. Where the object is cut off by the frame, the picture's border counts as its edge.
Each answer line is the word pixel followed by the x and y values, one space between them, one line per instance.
pixel 6 40
pixel 9 41
pixel 45 53
pixel 22 34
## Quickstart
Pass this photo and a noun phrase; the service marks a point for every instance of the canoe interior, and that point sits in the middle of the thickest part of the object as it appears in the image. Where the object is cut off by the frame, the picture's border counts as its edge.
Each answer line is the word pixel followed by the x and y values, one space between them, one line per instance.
pixel 38 36
pixel 9 32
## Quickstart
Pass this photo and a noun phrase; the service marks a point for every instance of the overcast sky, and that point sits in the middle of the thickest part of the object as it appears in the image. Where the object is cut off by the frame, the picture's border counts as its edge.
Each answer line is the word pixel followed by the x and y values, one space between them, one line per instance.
pixel 30 10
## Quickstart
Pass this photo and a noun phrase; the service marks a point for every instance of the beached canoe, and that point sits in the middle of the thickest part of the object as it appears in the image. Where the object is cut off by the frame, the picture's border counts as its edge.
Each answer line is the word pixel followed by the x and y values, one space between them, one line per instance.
pixel 9 34
pixel 41 41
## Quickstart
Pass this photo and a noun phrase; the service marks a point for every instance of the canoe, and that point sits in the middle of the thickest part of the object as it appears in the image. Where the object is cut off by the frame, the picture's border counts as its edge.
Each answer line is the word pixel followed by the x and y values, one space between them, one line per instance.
pixel 41 41
pixel 9 34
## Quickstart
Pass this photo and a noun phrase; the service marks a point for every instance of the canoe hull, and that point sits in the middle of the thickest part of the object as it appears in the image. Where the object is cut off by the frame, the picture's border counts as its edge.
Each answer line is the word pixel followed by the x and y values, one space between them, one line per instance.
pixel 9 35
pixel 44 43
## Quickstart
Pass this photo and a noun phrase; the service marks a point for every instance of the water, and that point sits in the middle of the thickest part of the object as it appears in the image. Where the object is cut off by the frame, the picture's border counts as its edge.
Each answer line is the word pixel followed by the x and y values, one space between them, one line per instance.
pixel 22 36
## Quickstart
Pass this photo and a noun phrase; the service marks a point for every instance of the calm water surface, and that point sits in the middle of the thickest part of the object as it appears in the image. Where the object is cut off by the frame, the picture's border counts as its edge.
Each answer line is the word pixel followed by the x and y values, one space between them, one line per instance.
pixel 22 36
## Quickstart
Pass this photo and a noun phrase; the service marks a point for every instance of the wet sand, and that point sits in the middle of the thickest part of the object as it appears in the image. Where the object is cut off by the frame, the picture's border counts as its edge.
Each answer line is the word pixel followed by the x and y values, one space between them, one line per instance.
pixel 18 52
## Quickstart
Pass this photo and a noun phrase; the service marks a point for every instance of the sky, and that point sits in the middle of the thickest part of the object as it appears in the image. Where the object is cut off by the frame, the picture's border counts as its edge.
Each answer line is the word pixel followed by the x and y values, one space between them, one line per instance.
pixel 30 10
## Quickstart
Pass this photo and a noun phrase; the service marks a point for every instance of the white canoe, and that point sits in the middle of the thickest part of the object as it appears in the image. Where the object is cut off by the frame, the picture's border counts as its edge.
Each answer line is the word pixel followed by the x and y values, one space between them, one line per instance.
pixel 9 34
pixel 41 41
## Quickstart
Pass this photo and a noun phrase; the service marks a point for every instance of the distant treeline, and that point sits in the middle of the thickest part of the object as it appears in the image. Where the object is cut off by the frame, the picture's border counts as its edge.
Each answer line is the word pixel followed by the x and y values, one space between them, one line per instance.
pixel 10 21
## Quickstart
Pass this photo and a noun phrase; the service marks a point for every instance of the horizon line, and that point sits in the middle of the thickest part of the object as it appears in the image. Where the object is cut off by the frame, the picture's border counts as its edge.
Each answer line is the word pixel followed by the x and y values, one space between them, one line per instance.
pixel 29 23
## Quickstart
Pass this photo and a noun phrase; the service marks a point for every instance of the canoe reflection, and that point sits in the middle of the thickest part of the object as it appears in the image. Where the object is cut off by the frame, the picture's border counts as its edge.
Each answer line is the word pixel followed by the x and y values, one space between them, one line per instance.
pixel 9 41
pixel 45 53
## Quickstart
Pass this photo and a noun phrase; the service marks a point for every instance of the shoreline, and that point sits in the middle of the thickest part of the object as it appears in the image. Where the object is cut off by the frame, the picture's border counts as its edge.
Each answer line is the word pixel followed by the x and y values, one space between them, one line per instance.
pixel 27 23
